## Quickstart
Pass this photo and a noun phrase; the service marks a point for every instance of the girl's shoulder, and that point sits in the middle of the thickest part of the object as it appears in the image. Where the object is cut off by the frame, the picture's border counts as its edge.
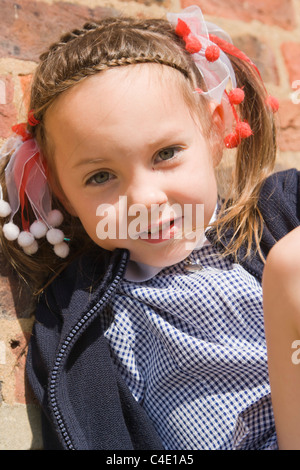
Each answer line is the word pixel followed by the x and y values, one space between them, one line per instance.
pixel 281 184
pixel 279 200
pixel 279 206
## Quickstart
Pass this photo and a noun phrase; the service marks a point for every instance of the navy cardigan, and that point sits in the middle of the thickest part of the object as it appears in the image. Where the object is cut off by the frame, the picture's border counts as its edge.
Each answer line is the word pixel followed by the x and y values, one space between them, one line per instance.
pixel 84 401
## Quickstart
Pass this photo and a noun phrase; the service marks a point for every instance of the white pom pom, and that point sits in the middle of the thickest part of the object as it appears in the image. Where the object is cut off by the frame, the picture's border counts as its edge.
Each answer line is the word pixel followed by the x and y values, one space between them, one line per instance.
pixel 25 239
pixel 38 229
pixel 61 250
pixel 54 236
pixel 31 249
pixel 11 231
pixel 55 218
pixel 5 208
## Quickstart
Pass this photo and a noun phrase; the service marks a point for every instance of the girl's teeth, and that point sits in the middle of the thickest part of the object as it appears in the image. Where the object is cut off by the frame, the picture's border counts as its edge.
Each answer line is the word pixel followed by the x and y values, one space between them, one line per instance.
pixel 158 229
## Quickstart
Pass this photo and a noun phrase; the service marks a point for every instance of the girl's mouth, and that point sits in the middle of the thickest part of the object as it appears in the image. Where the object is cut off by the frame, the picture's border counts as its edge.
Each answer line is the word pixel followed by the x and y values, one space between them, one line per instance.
pixel 162 232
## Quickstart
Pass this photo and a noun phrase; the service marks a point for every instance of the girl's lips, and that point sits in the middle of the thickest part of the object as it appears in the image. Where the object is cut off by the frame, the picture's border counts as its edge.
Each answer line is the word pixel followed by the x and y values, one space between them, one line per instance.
pixel 166 231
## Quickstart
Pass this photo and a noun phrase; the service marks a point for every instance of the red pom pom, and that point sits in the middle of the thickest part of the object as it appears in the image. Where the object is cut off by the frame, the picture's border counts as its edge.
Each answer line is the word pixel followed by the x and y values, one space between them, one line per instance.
pixel 273 103
pixel 236 96
pixel 182 29
pixel 243 130
pixel 192 44
pixel 20 129
pixel 212 53
pixel 232 140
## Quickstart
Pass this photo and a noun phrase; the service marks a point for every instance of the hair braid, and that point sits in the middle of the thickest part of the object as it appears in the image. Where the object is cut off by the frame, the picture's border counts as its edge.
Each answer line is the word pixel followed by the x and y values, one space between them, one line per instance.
pixel 96 47
pixel 66 38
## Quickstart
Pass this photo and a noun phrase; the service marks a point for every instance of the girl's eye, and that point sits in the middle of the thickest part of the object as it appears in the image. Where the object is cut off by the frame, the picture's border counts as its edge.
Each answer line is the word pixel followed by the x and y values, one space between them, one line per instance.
pixel 99 178
pixel 167 154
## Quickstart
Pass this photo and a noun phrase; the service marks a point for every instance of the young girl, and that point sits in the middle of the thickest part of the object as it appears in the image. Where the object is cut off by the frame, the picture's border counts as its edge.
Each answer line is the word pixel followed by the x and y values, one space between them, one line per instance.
pixel 148 334
pixel 282 322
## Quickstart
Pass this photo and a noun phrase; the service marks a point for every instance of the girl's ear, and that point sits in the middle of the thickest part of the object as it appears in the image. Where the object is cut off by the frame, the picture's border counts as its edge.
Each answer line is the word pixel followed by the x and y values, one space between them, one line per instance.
pixel 217 132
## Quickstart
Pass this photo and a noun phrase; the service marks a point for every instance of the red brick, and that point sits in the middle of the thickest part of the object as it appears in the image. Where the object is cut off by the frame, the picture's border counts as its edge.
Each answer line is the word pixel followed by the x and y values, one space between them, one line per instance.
pixel 7 307
pixel 291 54
pixel 289 120
pixel 140 14
pixel 261 54
pixel 273 12
pixel 23 392
pixel 27 27
pixel 8 112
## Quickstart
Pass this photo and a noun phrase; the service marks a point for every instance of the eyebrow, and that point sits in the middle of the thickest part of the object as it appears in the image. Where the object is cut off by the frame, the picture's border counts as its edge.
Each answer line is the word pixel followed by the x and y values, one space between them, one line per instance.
pixel 88 162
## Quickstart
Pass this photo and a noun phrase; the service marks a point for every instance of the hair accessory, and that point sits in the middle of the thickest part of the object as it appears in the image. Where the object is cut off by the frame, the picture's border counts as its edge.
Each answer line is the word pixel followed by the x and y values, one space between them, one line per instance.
pixel 192 44
pixel 273 103
pixel 26 183
pixel 209 45
pixel 31 119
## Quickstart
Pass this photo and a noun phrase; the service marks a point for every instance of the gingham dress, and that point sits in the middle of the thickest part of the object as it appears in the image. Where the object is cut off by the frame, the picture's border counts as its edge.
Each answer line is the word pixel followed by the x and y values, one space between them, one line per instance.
pixel 191 348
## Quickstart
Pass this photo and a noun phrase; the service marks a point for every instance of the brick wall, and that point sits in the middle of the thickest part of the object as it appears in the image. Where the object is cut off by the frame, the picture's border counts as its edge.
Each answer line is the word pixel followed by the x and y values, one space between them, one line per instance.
pixel 267 30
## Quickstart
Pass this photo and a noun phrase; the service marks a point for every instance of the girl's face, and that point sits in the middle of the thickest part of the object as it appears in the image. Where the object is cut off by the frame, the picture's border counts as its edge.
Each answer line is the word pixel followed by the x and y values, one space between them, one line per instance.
pixel 131 158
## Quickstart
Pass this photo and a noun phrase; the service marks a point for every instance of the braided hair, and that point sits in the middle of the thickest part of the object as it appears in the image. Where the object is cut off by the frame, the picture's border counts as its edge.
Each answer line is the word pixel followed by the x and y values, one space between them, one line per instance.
pixel 96 47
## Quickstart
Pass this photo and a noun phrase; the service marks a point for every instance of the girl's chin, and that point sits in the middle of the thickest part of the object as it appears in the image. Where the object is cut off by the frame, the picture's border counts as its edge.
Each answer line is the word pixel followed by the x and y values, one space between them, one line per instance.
pixel 158 255
pixel 162 258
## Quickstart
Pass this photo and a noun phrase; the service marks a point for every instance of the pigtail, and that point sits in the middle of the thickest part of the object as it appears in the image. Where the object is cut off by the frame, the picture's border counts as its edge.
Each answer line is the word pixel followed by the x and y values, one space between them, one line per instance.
pixel 254 162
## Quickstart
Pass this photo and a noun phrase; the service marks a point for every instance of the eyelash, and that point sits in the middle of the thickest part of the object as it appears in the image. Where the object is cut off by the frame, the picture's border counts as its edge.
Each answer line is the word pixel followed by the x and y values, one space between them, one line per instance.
pixel 175 155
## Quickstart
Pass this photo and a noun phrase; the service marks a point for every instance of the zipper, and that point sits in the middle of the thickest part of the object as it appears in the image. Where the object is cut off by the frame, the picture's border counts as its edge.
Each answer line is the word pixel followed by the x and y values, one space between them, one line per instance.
pixel 64 349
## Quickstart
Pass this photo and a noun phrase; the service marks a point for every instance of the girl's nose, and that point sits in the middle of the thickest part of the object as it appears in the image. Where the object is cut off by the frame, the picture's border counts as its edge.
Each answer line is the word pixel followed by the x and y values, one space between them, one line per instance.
pixel 146 192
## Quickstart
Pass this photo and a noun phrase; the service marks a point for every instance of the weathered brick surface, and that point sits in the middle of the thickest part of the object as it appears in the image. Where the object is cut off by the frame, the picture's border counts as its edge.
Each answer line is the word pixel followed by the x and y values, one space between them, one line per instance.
pixel 289 134
pixel 260 52
pixel 8 112
pixel 273 12
pixel 28 27
pixel 20 427
pixel 18 344
pixel 291 55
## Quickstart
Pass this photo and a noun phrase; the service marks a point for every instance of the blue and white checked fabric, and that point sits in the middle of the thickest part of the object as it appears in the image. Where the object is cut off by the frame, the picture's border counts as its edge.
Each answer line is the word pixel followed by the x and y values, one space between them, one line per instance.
pixel 191 348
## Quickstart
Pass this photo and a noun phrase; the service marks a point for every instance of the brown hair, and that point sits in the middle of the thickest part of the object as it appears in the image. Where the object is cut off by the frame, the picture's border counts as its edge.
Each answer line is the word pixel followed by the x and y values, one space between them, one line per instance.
pixel 115 42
